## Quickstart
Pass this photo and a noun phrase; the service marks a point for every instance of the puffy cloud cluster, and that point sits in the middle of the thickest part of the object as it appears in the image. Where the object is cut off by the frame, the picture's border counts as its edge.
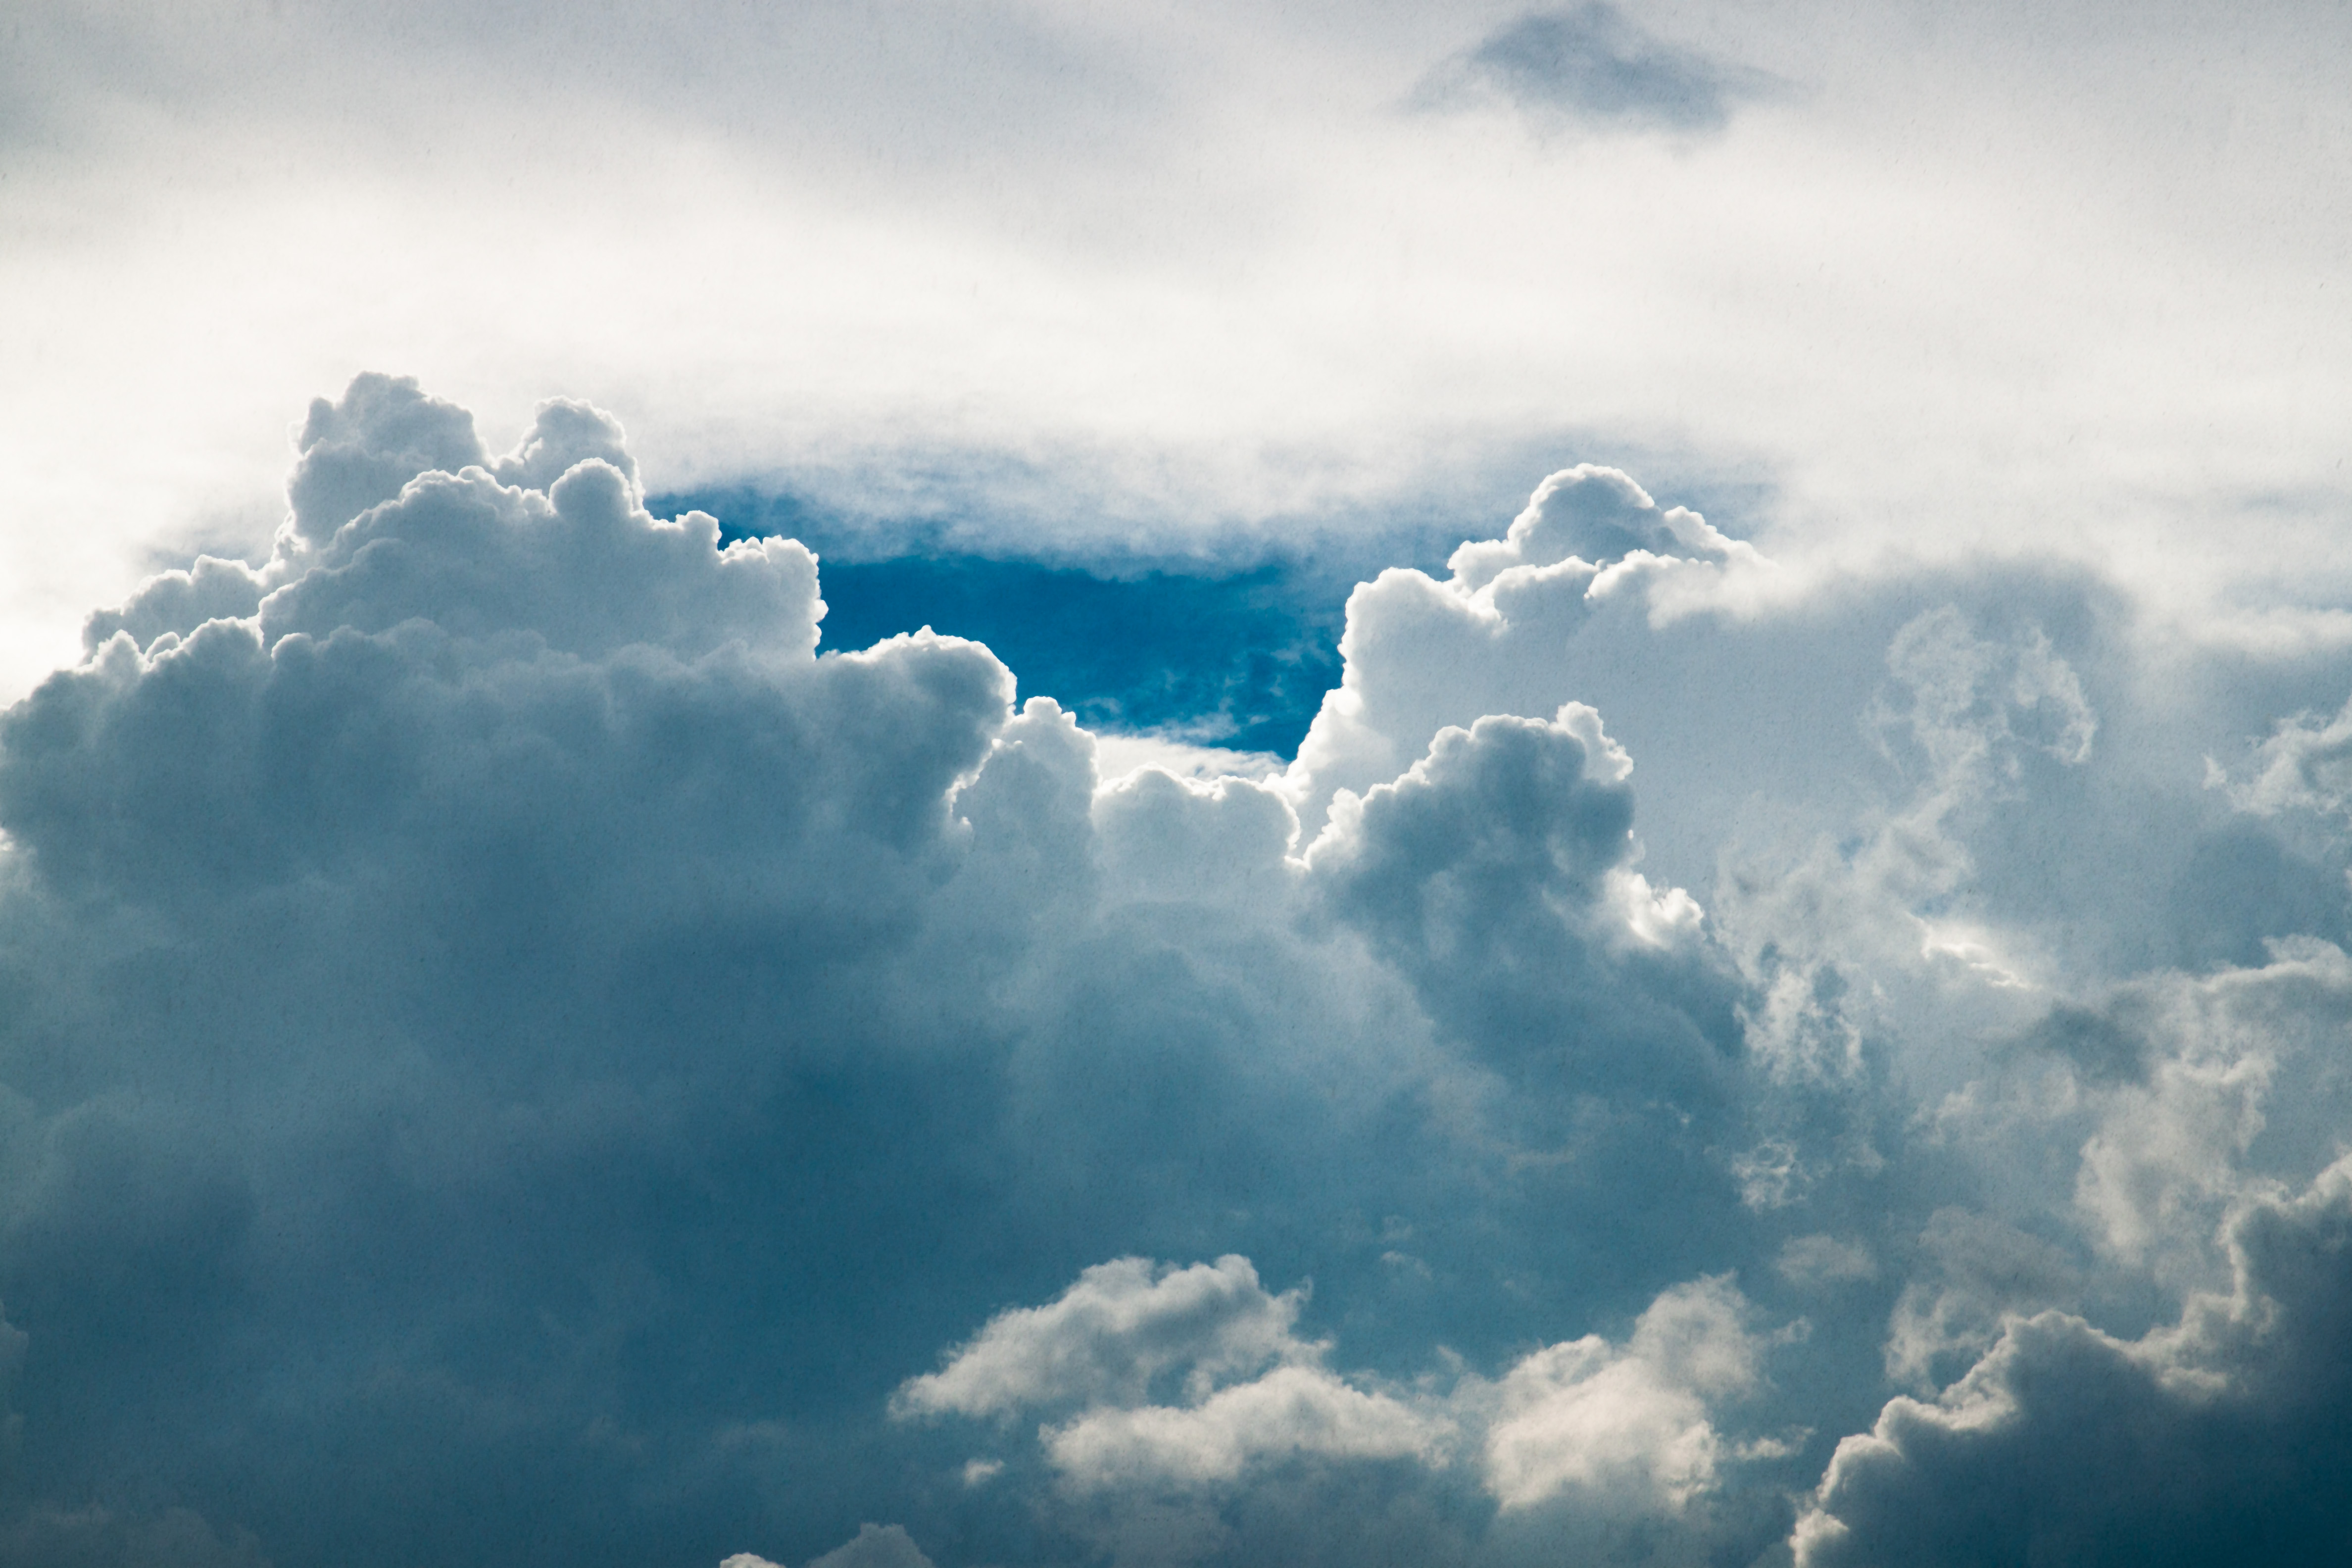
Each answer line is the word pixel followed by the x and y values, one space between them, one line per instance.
pixel 1423 654
pixel 1098 1350
pixel 1124 1325
pixel 1165 1377
pixel 507 1053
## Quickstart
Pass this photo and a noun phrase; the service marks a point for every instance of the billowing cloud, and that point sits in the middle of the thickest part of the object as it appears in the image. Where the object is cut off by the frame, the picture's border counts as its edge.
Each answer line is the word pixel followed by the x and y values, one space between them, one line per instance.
pixel 1626 1424
pixel 512 1048
pixel 1497 872
pixel 1177 1376
pixel 1109 1336
pixel 1626 1428
pixel 2196 1443
pixel 1292 1410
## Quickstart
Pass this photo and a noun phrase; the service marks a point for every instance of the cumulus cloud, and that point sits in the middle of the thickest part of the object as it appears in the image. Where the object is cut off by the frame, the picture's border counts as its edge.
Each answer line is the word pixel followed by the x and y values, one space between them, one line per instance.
pixel 1497 872
pixel 1626 1424
pixel 1599 516
pixel 1826 931
pixel 481 991
pixel 1626 1429
pixel 1123 1325
pixel 512 823
pixel 1179 1376
pixel 1225 839
pixel 1423 654
pixel 1975 1274
pixel 2197 1443
pixel 2170 1153
pixel 1292 1410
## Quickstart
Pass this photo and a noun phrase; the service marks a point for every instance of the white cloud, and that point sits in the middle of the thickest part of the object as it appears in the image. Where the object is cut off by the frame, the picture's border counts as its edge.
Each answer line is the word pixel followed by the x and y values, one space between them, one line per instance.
pixel 2304 765
pixel 2006 288
pixel 1628 1424
pixel 1180 1377
pixel 1424 655
pixel 1627 1428
pixel 1290 1411
pixel 1167 837
pixel 2169 1157
pixel 1122 1326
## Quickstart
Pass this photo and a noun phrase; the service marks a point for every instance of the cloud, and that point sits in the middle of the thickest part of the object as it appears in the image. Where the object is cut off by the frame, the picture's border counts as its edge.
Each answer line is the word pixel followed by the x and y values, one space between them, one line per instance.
pixel 1422 654
pixel 1595 66
pixel 1119 322
pixel 96 1538
pixel 1597 515
pixel 875 1546
pixel 1626 1426
pixel 2170 1154
pixel 485 989
pixel 1179 1377
pixel 1107 1337
pixel 1826 931
pixel 1497 872
pixel 1290 1411
pixel 1976 1275
pixel 1820 1262
pixel 2305 764
pixel 525 862
pixel 1167 837
pixel 1627 1429
pixel 2197 1443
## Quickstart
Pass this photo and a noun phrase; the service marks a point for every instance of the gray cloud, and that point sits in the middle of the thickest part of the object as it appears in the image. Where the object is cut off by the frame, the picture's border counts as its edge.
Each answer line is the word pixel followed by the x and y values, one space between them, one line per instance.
pixel 508 1053
pixel 1595 66
pixel 2209 1442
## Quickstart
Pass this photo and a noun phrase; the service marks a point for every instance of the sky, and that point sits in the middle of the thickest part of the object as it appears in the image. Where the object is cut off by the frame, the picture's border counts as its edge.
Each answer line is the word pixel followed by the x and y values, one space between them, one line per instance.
pixel 886 786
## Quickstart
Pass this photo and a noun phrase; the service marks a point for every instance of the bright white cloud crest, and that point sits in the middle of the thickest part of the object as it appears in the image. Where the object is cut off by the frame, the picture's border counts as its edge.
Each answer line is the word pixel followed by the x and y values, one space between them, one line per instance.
pixel 1122 1325
pixel 1629 1423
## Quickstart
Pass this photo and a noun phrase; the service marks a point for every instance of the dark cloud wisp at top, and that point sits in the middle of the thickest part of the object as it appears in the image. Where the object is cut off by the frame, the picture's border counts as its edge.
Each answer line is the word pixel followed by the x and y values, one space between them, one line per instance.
pixel 1594 66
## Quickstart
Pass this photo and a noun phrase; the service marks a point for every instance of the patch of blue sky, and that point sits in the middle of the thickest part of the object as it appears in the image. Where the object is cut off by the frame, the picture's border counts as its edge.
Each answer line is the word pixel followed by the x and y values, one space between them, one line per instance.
pixel 1233 654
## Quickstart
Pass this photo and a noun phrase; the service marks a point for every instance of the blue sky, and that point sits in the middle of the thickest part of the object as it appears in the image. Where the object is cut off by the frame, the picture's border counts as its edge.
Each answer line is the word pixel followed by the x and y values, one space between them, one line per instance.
pixel 853 786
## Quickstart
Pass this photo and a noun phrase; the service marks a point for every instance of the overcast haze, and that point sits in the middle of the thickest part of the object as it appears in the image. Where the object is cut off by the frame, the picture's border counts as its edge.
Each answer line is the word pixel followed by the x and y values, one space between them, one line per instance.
pixel 874 786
